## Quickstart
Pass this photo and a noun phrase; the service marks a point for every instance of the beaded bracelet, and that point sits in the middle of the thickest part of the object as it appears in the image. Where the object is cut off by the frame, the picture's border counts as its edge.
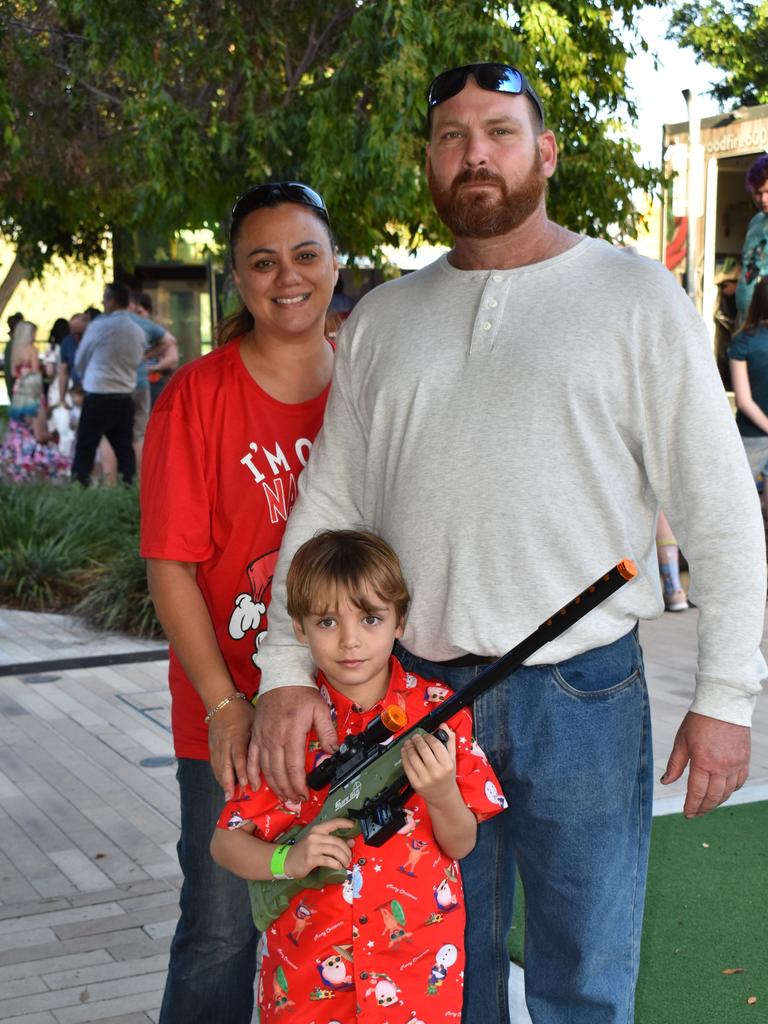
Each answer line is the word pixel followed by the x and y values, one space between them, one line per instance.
pixel 222 704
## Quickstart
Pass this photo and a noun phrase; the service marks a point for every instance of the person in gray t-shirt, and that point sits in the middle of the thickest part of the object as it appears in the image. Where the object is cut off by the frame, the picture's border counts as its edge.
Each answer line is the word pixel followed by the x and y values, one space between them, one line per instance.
pixel 107 360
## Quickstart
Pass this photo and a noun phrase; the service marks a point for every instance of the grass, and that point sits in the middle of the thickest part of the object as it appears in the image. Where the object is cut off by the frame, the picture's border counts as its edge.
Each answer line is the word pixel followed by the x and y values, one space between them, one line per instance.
pixel 69 549
pixel 705 914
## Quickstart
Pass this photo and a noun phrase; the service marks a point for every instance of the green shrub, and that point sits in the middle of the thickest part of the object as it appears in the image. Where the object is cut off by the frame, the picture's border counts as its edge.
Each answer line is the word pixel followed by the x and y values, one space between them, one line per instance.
pixel 74 549
pixel 116 595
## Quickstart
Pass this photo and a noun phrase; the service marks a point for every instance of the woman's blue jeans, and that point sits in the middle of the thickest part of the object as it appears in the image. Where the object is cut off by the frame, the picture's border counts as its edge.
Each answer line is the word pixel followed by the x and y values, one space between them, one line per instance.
pixel 571 744
pixel 213 953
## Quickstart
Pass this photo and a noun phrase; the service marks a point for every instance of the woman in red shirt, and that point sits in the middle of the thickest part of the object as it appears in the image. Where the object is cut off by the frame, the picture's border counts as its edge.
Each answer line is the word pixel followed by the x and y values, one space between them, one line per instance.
pixel 225 445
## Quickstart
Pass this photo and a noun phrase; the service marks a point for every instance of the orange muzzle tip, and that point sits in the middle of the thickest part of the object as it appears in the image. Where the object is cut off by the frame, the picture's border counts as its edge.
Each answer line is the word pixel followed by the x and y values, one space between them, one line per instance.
pixel 627 569
pixel 394 718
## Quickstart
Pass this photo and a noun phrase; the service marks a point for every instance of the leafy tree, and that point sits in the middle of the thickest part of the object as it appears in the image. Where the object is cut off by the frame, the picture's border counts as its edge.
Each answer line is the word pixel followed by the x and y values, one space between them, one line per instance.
pixel 732 35
pixel 156 113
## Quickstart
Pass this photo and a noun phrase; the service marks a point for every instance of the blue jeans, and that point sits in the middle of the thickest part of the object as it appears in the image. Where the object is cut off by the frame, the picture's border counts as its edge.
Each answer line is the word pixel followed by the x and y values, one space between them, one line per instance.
pixel 571 744
pixel 213 953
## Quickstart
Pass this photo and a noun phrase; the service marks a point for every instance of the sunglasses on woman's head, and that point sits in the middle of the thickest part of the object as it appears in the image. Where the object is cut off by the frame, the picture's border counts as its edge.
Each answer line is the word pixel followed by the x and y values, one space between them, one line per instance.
pixel 271 194
pixel 490 76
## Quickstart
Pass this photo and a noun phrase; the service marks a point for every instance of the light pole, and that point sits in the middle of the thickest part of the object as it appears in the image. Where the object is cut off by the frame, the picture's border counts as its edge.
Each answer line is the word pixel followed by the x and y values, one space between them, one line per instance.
pixel 692 187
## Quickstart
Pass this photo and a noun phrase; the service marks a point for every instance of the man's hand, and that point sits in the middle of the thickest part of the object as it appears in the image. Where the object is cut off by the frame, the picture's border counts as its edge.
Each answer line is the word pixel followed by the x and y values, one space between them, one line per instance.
pixel 228 734
pixel 719 756
pixel 279 738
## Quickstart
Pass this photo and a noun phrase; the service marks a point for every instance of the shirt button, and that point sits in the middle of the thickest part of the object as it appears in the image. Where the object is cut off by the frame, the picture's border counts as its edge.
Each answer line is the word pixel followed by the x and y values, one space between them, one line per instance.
pixel 363 919
pixel 492 303
pixel 361 861
pixel 363 975
pixel 487 325
pixel 496 277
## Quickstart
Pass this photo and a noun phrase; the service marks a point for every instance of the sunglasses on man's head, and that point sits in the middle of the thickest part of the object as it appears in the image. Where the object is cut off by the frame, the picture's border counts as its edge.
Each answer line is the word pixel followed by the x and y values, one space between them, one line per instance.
pixel 271 194
pixel 493 77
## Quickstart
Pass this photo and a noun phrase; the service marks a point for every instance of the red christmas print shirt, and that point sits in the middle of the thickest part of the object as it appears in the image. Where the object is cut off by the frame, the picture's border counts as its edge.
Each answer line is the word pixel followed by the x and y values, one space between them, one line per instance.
pixel 386 946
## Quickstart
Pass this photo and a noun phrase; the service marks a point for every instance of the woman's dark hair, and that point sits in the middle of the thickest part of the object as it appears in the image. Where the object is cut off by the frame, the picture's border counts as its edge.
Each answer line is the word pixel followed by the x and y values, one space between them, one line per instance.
pixel 757 173
pixel 259 197
pixel 59 331
pixel 757 313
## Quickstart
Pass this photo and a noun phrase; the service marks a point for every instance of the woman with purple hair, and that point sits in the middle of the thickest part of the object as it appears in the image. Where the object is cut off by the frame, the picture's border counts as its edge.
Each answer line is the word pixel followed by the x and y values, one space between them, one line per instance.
pixel 754 255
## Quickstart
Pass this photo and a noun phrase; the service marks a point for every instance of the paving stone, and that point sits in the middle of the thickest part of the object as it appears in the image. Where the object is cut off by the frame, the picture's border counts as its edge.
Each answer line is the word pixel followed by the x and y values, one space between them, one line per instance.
pixel 54 964
pixel 167 869
pixel 110 1009
pixel 37 869
pixel 135 945
pixel 20 987
pixel 7 788
pixel 13 885
pixel 144 887
pixel 133 1018
pixel 111 923
pixel 32 1018
pixel 98 973
pixel 85 997
pixel 57 918
pixel 162 928
pixel 20 940
pixel 80 870
pixel 121 945
pixel 167 898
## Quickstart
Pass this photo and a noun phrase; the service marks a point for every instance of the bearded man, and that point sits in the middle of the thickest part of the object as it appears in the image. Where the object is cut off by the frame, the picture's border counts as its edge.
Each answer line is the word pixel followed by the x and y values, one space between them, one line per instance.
pixel 510 418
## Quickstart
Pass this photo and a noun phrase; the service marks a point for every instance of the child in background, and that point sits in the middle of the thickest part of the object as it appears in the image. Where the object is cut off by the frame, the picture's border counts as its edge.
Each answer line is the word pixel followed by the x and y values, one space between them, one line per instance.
pixel 387 945
pixel 668 555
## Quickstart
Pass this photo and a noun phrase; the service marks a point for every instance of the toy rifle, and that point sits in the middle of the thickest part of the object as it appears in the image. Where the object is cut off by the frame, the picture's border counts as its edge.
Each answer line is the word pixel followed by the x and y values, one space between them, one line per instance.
pixel 367 782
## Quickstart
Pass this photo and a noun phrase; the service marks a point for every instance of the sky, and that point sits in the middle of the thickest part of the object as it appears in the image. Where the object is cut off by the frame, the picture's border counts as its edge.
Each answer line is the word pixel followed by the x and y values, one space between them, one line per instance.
pixel 659 92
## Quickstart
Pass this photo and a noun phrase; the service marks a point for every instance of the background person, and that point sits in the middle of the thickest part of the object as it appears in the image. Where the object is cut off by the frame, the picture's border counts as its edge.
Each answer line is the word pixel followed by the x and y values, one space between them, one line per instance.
pixel 348 600
pixel 162 359
pixel 59 332
pixel 512 434
pixel 724 316
pixel 26 453
pixel 26 373
pixel 754 253
pixel 225 445
pixel 107 358
pixel 12 320
pixel 748 357
pixel 159 344
pixel 66 373
pixel 668 554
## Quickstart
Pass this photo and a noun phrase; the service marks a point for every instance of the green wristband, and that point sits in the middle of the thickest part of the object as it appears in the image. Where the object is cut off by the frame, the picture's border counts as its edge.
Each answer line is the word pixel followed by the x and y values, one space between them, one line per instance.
pixel 277 864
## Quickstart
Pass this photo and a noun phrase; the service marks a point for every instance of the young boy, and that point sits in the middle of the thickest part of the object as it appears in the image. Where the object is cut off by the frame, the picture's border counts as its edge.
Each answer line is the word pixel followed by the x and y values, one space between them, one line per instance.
pixel 387 945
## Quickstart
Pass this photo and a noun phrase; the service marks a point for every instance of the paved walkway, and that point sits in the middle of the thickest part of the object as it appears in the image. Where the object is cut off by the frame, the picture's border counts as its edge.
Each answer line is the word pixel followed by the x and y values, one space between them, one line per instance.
pixel 89 816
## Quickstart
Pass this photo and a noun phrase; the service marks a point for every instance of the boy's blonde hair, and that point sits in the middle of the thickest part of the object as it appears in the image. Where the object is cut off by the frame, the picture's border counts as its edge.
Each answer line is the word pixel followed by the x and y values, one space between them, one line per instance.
pixel 353 559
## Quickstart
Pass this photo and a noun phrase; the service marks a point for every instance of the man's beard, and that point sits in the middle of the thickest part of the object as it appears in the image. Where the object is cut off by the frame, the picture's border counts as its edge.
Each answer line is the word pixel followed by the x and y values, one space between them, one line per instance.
pixel 486 213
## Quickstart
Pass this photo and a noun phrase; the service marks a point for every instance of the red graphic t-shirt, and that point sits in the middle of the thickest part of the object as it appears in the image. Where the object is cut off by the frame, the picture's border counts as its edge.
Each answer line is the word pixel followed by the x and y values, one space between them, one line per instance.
pixel 386 946
pixel 219 474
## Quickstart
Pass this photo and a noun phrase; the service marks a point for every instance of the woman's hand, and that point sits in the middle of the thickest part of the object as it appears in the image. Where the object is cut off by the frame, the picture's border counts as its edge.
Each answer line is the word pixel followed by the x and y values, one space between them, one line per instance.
pixel 431 766
pixel 319 849
pixel 229 733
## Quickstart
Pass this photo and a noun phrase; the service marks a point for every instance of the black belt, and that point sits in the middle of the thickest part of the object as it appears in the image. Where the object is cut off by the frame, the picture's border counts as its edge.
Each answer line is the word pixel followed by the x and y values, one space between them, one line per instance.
pixel 467 661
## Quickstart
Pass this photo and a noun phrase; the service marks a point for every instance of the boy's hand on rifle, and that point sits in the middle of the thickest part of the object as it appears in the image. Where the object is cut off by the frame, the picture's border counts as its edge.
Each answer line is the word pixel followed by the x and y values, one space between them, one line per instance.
pixel 431 765
pixel 320 849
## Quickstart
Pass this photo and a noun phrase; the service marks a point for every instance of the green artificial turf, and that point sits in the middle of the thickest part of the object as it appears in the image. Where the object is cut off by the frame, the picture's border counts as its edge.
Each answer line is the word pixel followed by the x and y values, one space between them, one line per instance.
pixel 706 912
